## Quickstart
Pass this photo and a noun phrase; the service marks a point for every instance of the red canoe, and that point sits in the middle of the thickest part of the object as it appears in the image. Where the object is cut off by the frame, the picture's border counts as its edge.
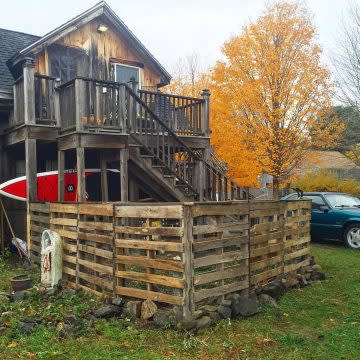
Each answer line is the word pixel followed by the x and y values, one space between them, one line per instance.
pixel 47 183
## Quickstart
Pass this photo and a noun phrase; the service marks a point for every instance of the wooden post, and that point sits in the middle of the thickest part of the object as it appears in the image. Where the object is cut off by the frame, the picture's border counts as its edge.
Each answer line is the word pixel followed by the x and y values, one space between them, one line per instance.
pixel 124 184
pixel 133 190
pixel 29 91
pixel 132 105
pixel 104 180
pixel 31 169
pixel 80 165
pixel 79 103
pixel 57 102
pixel 17 102
pixel 122 109
pixel 188 261
pixel 205 113
pixel 61 169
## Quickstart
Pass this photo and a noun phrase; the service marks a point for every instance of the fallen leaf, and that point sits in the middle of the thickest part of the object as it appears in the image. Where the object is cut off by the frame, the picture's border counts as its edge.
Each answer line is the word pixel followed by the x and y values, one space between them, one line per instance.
pixel 12 345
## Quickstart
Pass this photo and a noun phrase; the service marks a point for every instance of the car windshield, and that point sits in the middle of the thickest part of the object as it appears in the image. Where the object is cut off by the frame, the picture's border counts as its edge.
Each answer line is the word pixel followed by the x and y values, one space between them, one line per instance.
pixel 341 200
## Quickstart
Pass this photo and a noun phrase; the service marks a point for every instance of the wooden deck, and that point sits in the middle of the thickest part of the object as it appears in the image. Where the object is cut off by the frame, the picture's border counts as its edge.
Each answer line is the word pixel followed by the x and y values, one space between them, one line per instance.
pixel 184 254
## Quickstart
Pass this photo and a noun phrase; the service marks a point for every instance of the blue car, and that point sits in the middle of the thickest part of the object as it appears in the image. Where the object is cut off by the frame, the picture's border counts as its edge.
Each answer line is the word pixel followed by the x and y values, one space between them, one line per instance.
pixel 333 216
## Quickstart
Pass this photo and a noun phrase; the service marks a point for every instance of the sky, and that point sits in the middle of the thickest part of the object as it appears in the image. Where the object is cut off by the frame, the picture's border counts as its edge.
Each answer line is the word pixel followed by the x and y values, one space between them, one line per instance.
pixel 173 29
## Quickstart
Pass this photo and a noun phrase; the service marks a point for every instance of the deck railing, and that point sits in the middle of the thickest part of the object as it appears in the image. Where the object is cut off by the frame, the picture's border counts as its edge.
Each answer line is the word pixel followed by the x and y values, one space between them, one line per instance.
pixel 179 254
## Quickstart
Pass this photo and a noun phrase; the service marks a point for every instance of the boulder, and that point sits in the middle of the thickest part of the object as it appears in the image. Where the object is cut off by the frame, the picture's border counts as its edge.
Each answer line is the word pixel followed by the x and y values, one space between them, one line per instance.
pixel 245 306
pixel 164 318
pixel 224 311
pixel 275 289
pixel 148 309
pixel 203 322
pixel 267 300
pixel 226 303
pixel 215 317
pixel 198 314
pixel 207 309
pixel 118 301
pixel 107 312
pixel 18 296
pixel 303 281
pixel 317 275
pixel 132 309
pixel 3 330
pixel 188 323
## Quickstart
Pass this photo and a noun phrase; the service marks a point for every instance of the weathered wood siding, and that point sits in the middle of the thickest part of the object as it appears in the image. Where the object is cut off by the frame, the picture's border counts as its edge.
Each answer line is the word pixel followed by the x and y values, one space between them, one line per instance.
pixel 102 50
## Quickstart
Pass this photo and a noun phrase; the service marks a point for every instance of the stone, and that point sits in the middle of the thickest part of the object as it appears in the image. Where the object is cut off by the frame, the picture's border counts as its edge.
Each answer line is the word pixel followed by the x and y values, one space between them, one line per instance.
pixel 164 318
pixel 245 306
pixel 267 300
pixel 317 275
pixel 307 276
pixel 132 309
pixel 27 325
pixel 148 309
pixel 224 311
pixel 303 281
pixel 215 317
pixel 66 331
pixel 275 289
pixel 3 330
pixel 68 292
pixel 188 323
pixel 290 281
pixel 7 315
pixel 198 314
pixel 118 301
pixel 18 296
pixel 178 313
pixel 312 261
pixel 203 322
pixel 317 268
pixel 208 309
pixel 49 293
pixel 107 312
pixel 226 303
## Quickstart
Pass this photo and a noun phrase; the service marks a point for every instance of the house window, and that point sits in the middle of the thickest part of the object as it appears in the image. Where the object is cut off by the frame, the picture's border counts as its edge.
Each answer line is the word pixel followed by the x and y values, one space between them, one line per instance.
pixel 124 73
pixel 20 168
pixel 66 62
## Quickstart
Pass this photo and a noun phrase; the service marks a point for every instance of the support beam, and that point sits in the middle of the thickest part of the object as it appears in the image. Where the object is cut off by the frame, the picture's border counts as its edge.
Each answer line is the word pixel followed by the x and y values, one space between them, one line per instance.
pixel 80 166
pixel 29 92
pixel 133 190
pixel 31 169
pixel 124 179
pixel 104 179
pixel 61 169
pixel 205 113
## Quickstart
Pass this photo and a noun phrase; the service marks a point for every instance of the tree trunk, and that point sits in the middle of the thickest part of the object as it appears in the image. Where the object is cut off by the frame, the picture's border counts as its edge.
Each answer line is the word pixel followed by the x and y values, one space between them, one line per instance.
pixel 276 186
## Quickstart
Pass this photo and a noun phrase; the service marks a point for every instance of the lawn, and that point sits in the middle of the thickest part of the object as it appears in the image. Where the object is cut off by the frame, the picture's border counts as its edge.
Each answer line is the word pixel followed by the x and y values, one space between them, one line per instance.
pixel 321 321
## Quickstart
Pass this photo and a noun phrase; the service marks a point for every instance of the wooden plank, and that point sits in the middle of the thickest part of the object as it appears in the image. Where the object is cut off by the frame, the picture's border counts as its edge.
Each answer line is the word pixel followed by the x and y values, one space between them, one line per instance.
pixel 124 178
pixel 219 259
pixel 293 267
pixel 220 209
pixel 40 207
pixel 63 221
pixel 40 218
pixel 163 230
pixel 67 233
pixel 94 225
pixel 103 239
pixel 70 259
pixel 96 209
pixel 149 211
pixel 219 243
pixel 234 271
pixel 96 251
pixel 151 278
pixel 104 180
pixel 270 248
pixel 149 245
pixel 80 168
pixel 61 172
pixel 63 208
pixel 220 290
pixel 31 169
pixel 92 279
pixel 299 241
pixel 161 264
pixel 151 295
pixel 69 247
pixel 297 253
pixel 96 267
pixel 259 265
pixel 69 271
pixel 265 276
pixel 231 227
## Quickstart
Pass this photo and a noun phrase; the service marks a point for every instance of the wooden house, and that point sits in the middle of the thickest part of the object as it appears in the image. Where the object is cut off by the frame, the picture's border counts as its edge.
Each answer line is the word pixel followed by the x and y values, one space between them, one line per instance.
pixel 88 95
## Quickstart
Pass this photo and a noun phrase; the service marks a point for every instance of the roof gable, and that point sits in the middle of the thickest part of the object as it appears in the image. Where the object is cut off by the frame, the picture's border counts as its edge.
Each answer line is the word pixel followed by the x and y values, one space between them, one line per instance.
pixel 100 9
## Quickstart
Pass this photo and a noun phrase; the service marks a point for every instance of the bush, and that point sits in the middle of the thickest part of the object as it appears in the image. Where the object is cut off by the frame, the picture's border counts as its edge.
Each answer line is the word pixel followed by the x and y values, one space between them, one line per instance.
pixel 326 181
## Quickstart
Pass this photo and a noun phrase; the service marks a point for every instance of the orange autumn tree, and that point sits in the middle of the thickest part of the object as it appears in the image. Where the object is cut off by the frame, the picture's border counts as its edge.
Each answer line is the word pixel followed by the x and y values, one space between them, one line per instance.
pixel 269 96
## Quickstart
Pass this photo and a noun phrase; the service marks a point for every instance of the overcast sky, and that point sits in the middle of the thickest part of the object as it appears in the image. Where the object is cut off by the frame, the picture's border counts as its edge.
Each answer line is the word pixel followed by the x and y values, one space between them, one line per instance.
pixel 171 29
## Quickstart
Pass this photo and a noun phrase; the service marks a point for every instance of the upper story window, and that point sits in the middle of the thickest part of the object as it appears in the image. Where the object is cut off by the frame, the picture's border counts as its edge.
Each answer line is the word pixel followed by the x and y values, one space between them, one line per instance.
pixel 66 62
pixel 124 73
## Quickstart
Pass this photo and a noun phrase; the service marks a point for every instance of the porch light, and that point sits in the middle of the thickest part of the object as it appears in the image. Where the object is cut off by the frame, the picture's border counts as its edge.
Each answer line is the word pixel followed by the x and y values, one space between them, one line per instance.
pixel 102 28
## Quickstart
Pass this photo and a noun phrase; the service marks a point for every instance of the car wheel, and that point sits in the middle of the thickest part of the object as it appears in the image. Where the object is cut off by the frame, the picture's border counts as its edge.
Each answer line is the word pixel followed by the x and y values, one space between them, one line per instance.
pixel 352 236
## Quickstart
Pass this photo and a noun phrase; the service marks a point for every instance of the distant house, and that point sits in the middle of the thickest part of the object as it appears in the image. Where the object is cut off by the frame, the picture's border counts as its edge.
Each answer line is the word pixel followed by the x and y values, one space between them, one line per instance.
pixel 332 161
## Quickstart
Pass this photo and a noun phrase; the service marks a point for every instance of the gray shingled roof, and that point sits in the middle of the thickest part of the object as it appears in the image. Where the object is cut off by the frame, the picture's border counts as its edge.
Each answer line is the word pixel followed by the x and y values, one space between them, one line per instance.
pixel 10 43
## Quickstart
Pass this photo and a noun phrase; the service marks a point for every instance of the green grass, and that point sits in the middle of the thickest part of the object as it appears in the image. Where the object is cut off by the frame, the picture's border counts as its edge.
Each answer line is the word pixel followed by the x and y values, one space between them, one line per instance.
pixel 321 321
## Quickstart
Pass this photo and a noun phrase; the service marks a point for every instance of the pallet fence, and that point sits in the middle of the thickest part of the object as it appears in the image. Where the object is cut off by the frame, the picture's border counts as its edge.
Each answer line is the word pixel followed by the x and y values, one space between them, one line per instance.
pixel 183 254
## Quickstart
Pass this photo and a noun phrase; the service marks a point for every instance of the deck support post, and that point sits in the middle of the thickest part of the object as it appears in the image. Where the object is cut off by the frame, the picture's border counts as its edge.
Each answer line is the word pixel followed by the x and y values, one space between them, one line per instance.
pixel 133 190
pixel 104 179
pixel 79 103
pixel 132 105
pixel 200 175
pixel 31 169
pixel 29 91
pixel 80 165
pixel 124 179
pixel 205 113
pixel 61 170
pixel 57 102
